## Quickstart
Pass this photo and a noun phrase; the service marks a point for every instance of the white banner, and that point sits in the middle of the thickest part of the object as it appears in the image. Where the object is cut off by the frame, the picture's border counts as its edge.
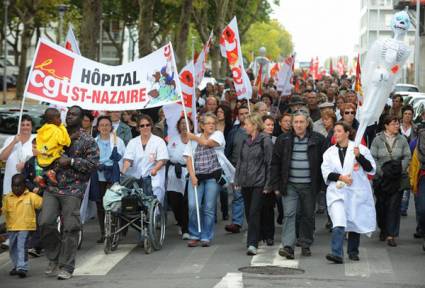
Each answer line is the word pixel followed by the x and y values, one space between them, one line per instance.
pixel 284 77
pixel 201 61
pixel 64 78
pixel 230 47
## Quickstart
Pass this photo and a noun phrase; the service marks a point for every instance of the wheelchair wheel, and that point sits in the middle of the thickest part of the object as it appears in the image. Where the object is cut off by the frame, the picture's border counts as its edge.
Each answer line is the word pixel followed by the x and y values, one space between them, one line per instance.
pixel 156 224
pixel 111 237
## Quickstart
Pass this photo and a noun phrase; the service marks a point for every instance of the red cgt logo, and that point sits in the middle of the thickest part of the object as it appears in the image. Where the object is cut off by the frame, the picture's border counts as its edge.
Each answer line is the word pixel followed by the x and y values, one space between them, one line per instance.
pixel 51 74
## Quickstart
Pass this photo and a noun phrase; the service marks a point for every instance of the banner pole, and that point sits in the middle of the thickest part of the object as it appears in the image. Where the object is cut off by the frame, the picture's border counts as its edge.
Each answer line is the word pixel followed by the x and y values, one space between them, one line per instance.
pixel 195 188
pixel 21 111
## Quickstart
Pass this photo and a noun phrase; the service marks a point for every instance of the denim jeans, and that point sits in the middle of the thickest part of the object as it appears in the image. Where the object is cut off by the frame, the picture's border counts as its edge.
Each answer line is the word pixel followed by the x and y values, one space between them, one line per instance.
pixel 337 242
pixel 18 249
pixel 237 207
pixel 420 205
pixel 207 199
pixel 405 201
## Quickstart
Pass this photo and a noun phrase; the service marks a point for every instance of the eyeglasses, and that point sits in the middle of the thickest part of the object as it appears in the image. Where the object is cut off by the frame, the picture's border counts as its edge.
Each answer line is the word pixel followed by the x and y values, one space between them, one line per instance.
pixel 144 125
pixel 349 112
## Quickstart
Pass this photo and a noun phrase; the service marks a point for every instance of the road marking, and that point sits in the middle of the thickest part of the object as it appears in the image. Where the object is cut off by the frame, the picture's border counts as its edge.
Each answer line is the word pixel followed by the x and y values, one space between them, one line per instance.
pixel 196 260
pixel 98 263
pixel 231 280
pixel 269 256
pixel 358 268
pixel 381 262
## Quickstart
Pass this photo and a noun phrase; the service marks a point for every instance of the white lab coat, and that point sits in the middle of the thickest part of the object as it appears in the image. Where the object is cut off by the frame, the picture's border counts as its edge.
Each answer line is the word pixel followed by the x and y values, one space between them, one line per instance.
pixel 145 160
pixel 176 149
pixel 20 153
pixel 352 207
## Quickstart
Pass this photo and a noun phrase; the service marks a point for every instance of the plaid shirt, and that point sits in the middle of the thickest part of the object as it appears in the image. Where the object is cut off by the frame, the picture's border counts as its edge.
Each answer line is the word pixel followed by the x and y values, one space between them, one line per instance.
pixel 206 160
pixel 73 180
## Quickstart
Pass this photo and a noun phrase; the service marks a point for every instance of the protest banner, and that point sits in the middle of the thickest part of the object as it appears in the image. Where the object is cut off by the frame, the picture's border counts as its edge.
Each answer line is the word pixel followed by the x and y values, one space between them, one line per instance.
pixel 230 47
pixel 64 78
pixel 284 77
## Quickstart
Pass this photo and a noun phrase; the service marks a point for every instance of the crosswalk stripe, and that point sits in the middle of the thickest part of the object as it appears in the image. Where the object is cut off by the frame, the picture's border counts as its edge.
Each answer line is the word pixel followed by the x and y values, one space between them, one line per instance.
pixel 196 260
pixel 381 261
pixel 358 268
pixel 269 256
pixel 98 263
pixel 231 280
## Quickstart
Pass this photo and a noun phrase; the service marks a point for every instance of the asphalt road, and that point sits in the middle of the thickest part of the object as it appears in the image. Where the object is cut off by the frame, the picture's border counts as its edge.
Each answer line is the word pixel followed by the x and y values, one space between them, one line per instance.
pixel 218 266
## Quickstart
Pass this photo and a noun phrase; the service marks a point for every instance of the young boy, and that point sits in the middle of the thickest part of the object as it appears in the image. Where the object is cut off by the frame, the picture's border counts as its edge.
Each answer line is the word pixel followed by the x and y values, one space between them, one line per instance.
pixel 19 209
pixel 51 139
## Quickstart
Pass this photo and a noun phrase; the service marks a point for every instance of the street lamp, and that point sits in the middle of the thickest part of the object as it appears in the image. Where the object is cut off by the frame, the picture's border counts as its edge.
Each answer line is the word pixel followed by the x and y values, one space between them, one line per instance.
pixel 6 5
pixel 61 9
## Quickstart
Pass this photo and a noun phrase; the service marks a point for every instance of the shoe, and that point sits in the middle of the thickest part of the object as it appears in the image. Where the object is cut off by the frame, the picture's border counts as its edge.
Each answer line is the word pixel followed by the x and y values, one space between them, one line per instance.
pixel 233 228
pixel 305 251
pixel 51 174
pixel 101 240
pixel 185 236
pixel 320 210
pixel 34 252
pixel 64 275
pixel 418 235
pixel 335 259
pixel 354 257
pixel 251 251
pixel 269 242
pixel 21 273
pixel 13 272
pixel 193 243
pixel 205 243
pixel 52 269
pixel 287 252
pixel 391 242
pixel 5 245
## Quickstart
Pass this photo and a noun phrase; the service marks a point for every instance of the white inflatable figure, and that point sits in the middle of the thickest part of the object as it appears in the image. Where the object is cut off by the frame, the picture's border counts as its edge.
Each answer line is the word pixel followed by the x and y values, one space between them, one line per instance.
pixel 264 62
pixel 380 72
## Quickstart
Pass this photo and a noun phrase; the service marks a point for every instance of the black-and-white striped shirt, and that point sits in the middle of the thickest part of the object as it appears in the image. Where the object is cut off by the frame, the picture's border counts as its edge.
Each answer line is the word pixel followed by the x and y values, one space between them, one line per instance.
pixel 299 169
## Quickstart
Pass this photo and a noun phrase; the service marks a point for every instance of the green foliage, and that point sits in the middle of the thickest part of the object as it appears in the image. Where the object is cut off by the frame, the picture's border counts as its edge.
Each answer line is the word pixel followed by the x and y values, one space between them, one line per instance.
pixel 271 35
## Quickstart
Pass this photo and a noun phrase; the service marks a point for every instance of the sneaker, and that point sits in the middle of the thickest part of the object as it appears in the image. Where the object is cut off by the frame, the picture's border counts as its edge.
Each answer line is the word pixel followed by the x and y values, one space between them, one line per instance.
pixel 21 273
pixel 193 243
pixel 5 244
pixel 34 252
pixel 205 243
pixel 185 236
pixel 251 251
pixel 13 272
pixel 335 259
pixel 305 251
pixel 52 269
pixel 287 252
pixel 232 228
pixel 354 257
pixel 64 275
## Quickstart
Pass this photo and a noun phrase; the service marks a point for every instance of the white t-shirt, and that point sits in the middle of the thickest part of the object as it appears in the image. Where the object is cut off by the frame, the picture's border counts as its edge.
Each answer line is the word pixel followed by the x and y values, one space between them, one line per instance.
pixel 145 160
pixel 217 136
pixel 20 153
pixel 176 149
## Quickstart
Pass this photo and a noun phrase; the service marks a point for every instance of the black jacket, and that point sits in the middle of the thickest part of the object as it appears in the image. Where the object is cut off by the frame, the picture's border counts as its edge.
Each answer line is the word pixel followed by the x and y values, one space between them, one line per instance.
pixel 281 160
pixel 253 168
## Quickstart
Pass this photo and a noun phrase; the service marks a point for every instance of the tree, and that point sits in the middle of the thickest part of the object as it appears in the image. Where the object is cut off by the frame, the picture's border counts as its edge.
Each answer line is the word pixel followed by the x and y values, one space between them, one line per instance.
pixel 272 35
pixel 90 26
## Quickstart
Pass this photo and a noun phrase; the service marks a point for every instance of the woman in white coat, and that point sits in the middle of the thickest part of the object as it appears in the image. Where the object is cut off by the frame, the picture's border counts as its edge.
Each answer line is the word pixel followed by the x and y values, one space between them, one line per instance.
pixel 351 208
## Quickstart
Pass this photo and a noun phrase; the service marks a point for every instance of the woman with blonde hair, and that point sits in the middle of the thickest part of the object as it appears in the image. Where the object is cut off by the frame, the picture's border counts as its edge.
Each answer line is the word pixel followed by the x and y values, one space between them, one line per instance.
pixel 253 176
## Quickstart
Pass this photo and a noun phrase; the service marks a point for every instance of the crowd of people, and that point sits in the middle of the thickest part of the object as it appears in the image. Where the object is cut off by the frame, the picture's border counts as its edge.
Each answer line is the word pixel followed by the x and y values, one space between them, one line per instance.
pixel 283 152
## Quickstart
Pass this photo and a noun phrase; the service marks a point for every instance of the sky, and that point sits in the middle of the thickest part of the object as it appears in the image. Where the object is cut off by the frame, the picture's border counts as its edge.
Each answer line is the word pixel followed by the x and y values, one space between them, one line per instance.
pixel 322 28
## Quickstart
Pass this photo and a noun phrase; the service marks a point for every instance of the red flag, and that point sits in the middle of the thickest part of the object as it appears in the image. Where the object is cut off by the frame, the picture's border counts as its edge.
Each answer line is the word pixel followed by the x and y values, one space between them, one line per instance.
pixel 305 76
pixel 358 83
pixel 316 68
pixel 258 83
pixel 297 86
pixel 274 70
pixel 331 68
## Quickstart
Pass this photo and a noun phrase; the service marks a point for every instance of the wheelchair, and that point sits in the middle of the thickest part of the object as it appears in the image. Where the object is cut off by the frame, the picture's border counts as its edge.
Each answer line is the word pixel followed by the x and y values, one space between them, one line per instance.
pixel 127 206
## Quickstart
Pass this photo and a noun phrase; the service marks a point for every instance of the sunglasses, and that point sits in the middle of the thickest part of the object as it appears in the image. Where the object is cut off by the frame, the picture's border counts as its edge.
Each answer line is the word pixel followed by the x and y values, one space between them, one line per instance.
pixel 349 112
pixel 144 125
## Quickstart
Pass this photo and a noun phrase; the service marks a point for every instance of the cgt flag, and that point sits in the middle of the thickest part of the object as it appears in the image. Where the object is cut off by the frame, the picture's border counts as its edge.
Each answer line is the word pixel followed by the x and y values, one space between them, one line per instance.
pixel 230 47
pixel 64 78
